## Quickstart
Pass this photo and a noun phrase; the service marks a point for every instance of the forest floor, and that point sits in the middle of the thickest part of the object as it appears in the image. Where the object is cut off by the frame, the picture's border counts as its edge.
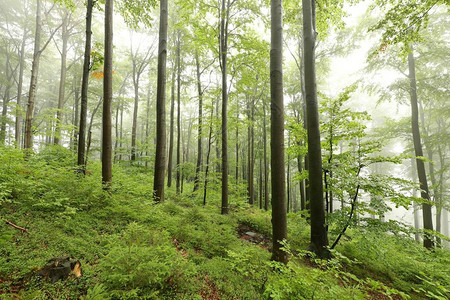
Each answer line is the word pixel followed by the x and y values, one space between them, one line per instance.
pixel 132 248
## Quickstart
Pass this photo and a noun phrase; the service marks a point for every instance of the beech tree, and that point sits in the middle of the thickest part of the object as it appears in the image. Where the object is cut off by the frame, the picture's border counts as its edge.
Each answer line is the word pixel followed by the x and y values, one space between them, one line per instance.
pixel 160 157
pixel 279 226
pixel 107 96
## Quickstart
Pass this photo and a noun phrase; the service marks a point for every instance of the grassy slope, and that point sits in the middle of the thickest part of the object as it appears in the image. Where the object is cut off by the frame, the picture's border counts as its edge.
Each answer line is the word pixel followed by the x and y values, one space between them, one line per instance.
pixel 131 248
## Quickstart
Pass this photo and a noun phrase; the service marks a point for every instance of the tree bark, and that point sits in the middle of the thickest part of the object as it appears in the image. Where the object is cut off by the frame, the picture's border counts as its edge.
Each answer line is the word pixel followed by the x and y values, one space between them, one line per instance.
pixel 279 226
pixel 266 167
pixel 178 168
pixel 107 97
pixel 198 167
pixel 172 115
pixel 223 54
pixel 85 85
pixel 319 238
pixel 33 81
pixel 18 125
pixel 426 207
pixel 160 159
pixel 62 79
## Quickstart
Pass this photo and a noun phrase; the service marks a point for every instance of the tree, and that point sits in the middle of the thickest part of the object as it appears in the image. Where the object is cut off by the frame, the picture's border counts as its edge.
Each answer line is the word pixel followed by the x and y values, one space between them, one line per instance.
pixel 279 223
pixel 178 182
pixel 107 96
pixel 84 85
pixel 319 237
pixel 139 66
pixel 28 144
pixel 160 159
pixel 426 207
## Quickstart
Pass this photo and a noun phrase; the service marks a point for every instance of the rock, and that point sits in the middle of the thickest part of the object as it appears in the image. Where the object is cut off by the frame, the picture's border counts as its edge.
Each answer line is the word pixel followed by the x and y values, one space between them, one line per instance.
pixel 252 234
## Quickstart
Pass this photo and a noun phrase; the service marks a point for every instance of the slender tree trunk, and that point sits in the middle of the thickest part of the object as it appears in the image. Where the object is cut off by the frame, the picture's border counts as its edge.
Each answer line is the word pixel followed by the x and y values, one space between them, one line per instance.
pixel 136 78
pixel 223 54
pixel 207 158
pixel 250 179
pixel 260 184
pixel 85 85
pixel 415 205
pixel 160 159
pixel 237 146
pixel 76 112
pixel 171 137
pixel 426 208
pixel 6 99
pixel 89 138
pixel 121 131
pixel 33 81
pixel 178 168
pixel 288 177
pixel 198 167
pixel 107 97
pixel 266 167
pixel 319 238
pixel 19 90
pixel 279 226
pixel 62 81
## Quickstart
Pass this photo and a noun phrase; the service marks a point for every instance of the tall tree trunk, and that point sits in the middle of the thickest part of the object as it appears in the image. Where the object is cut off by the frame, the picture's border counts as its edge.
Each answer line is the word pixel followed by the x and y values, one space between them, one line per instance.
pixel 76 110
pixel 260 184
pixel 266 167
pixel 198 167
pixel 6 98
pixel 33 81
pixel 160 159
pixel 223 55
pixel 279 226
pixel 415 205
pixel 288 177
pixel 250 179
pixel 85 85
pixel 426 208
pixel 107 97
pixel 237 146
pixel 62 80
pixel 19 90
pixel 207 157
pixel 172 115
pixel 319 238
pixel 178 168
pixel 136 77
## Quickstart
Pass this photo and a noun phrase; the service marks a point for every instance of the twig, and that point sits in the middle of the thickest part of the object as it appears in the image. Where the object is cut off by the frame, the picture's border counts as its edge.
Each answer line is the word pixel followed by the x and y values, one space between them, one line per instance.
pixel 17 227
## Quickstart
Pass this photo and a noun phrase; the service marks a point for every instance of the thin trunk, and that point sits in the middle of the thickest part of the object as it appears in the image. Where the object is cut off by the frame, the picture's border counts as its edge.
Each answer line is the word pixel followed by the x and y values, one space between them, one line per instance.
pixel 237 146
pixel 160 158
pixel 250 185
pixel 19 90
pixel 62 81
pixel 288 177
pixel 426 208
pixel 89 139
pixel 33 81
pixel 198 168
pixel 85 84
pixel 415 205
pixel 266 167
pixel 319 238
pixel 260 184
pixel 279 225
pixel 223 55
pixel 107 97
pixel 136 78
pixel 178 168
pixel 76 112
pixel 207 158
pixel 172 115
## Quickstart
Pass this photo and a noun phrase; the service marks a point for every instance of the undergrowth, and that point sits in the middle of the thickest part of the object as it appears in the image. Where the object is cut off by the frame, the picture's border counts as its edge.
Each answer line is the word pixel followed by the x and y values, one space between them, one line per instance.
pixel 132 248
